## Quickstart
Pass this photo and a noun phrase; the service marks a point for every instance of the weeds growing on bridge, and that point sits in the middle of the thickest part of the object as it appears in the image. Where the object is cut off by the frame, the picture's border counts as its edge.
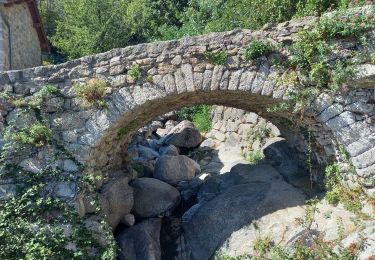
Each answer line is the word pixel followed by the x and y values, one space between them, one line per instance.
pixel 36 222
pixel 92 93
pixel 257 49
pixel 135 72
pixel 37 134
pixel 316 61
pixel 216 58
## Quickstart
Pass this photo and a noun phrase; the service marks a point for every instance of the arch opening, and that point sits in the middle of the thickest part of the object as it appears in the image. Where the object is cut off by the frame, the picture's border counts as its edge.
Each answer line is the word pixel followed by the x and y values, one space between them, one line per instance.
pixel 176 230
pixel 110 151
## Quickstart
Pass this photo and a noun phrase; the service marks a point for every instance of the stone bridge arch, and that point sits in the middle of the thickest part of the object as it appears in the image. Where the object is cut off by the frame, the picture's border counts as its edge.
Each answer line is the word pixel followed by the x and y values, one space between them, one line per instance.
pixel 176 74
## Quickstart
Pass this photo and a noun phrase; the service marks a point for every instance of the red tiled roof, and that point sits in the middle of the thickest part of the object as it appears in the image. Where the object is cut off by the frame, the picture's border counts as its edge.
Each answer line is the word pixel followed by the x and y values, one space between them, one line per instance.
pixel 31 4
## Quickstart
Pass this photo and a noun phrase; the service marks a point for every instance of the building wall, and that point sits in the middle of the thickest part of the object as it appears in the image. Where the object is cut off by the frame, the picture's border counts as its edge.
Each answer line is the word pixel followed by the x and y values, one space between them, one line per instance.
pixel 25 44
pixel 4 44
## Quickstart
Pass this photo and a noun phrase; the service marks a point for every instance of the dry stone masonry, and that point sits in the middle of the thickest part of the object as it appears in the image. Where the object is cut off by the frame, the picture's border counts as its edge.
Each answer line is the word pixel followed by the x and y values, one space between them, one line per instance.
pixel 176 74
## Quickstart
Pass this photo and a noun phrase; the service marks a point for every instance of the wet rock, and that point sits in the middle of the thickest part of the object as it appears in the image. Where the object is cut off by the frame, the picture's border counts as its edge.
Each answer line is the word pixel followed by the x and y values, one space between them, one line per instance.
pixel 141 242
pixel 173 169
pixel 153 197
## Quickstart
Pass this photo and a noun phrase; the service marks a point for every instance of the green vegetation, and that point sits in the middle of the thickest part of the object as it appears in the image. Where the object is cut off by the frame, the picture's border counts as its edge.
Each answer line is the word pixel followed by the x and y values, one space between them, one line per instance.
pixel 257 49
pixel 262 246
pixel 81 27
pixel 336 192
pixel 254 156
pixel 200 115
pixel 260 132
pixel 202 119
pixel 265 248
pixel 19 102
pixel 217 58
pixel 37 99
pixel 92 92
pixel 46 92
pixel 314 58
pixel 135 72
pixel 34 222
pixel 38 135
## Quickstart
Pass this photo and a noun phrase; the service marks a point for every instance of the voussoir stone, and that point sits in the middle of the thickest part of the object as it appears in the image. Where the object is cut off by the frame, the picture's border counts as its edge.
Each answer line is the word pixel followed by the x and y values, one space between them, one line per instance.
pixel 173 169
pixel 153 197
pixel 185 135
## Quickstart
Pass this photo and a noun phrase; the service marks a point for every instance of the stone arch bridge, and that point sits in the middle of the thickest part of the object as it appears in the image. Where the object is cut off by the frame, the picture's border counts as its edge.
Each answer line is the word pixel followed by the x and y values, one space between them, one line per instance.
pixel 176 74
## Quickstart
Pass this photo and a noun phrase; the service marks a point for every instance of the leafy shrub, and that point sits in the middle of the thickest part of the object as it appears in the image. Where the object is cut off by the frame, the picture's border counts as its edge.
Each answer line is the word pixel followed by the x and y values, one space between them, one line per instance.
pixel 346 24
pixel 202 120
pixel 258 48
pixel 92 92
pixel 217 58
pixel 319 74
pixel 254 156
pixel 37 135
pixel 200 115
pixel 135 72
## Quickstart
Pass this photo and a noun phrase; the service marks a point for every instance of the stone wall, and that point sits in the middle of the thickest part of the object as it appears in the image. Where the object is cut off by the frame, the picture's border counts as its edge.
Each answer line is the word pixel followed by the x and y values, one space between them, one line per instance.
pixel 26 51
pixel 253 133
pixel 176 74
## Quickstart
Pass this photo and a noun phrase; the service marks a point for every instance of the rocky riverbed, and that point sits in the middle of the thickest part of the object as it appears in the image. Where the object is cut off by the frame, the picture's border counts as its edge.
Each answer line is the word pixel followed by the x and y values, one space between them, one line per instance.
pixel 196 197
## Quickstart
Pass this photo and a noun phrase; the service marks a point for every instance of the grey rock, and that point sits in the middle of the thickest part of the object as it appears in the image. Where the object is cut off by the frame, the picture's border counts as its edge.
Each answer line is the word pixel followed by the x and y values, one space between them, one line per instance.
pixel 128 220
pixel 70 166
pixel 331 112
pixel 53 104
pixel 173 169
pixel 116 200
pixel 147 153
pixel 282 159
pixel 184 135
pixel 144 168
pixel 65 190
pixel 153 197
pixel 140 242
pixel 31 165
pixel 169 150
pixel 7 191
pixel 207 144
pixel 248 191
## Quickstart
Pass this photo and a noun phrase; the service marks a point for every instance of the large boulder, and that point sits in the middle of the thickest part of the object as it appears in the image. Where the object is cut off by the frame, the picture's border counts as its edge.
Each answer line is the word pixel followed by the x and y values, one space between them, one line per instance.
pixel 140 242
pixel 330 222
pixel 230 201
pixel 169 150
pixel 116 200
pixel 173 169
pixel 277 151
pixel 184 135
pixel 153 197
pixel 147 153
